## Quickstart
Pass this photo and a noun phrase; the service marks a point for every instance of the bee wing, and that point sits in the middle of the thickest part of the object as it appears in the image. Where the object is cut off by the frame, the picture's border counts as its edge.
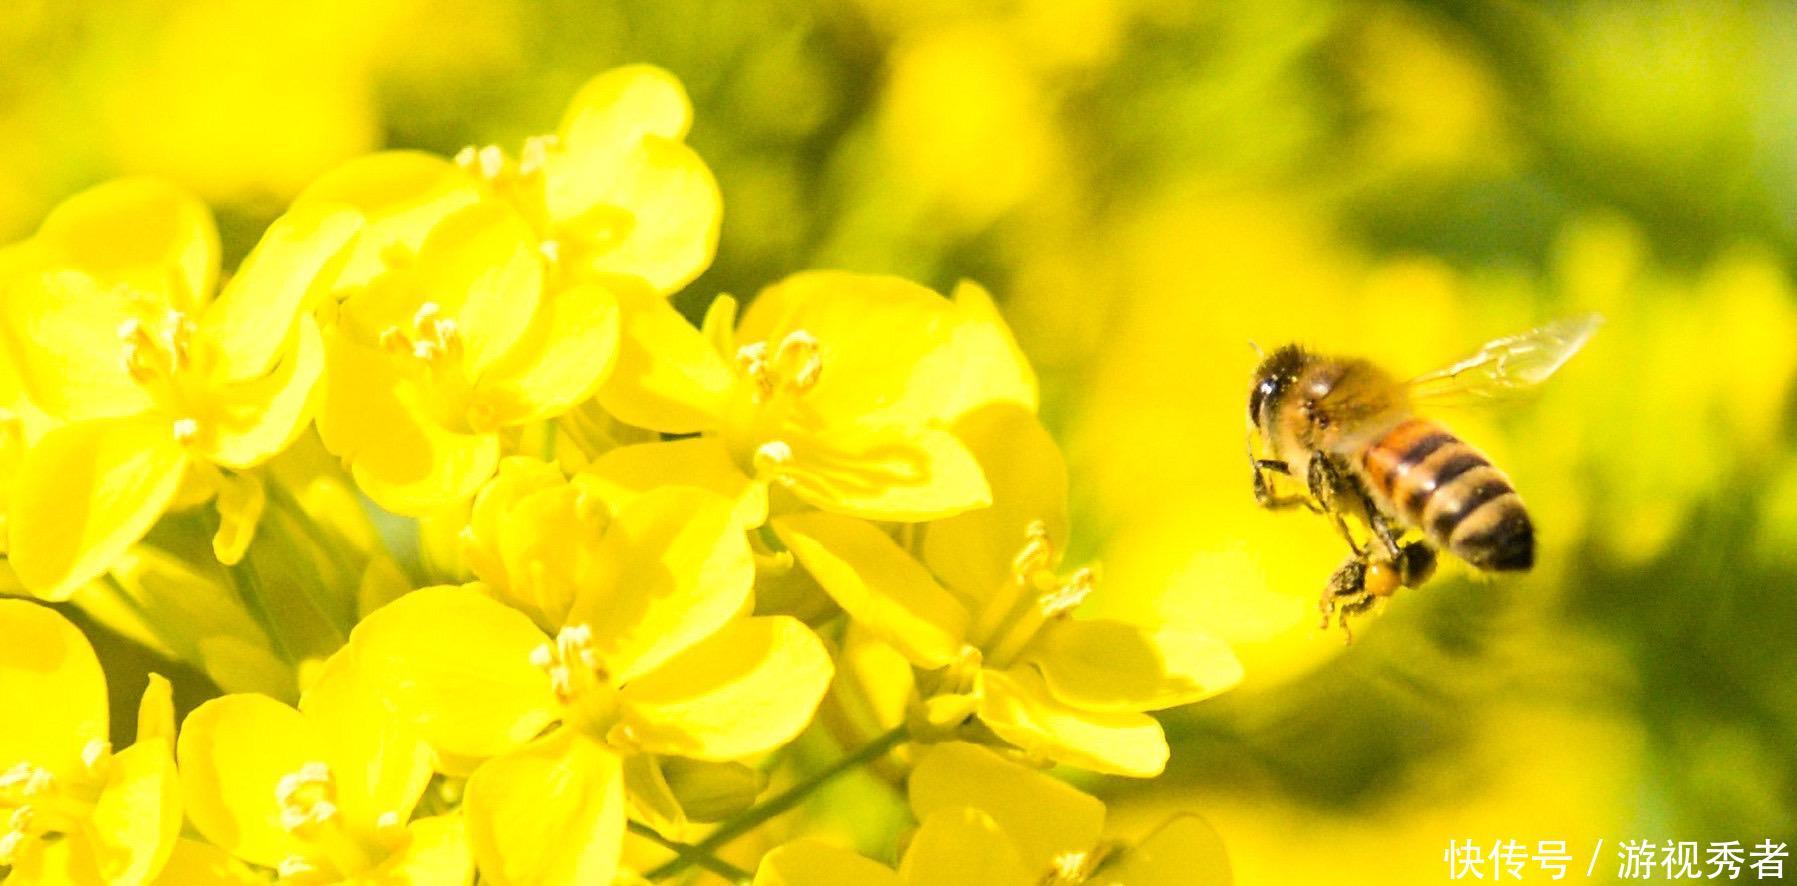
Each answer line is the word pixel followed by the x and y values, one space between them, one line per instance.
pixel 1507 366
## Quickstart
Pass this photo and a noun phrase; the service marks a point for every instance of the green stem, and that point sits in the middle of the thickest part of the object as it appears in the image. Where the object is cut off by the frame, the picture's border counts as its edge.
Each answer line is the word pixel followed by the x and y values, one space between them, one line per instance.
pixel 137 610
pixel 289 505
pixel 249 590
pixel 340 613
pixel 691 853
pixel 755 816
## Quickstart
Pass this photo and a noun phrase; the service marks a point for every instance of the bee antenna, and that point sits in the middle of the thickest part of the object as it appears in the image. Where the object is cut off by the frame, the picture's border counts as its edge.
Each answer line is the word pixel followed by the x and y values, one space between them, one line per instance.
pixel 1257 351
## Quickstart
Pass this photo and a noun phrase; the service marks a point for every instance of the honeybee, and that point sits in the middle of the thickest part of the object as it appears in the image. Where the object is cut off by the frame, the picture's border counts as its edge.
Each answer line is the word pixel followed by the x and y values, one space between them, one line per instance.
pixel 1348 431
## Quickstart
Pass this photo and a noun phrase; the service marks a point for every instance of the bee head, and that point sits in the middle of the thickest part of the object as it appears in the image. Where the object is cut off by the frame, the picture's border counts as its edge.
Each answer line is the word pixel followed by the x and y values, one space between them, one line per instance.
pixel 1275 375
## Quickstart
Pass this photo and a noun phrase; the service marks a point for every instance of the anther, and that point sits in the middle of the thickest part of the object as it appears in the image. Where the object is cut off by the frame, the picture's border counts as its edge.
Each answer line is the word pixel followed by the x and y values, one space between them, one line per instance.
pixel 571 662
pixel 1069 867
pixel 1037 552
pixel 798 361
pixel 26 781
pixel 184 430
pixel 1069 595
pixel 306 797
pixel 18 828
pixel 771 459
pixel 535 153
pixel 294 867
pixel 96 750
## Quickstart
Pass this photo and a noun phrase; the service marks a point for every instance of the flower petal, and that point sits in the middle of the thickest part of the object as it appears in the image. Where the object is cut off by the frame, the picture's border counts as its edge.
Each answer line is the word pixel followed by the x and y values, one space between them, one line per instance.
pixel 397 451
pixel 873 333
pixel 1043 817
pixel 402 196
pixel 233 752
pixel 878 584
pixel 963 846
pixel 671 212
pixel 627 472
pixel 1184 850
pixel 623 105
pixel 391 764
pixel 549 812
pixel 624 194
pixel 85 493
pixel 678 567
pixel 137 818
pixel 748 688
pixel 456 664
pixel 479 269
pixel 142 232
pixel 194 863
pixel 711 791
pixel 984 356
pixel 258 418
pixel 650 800
pixel 284 276
pixel 1019 709
pixel 811 863
pixel 973 551
pixel 887 473
pixel 62 329
pixel 48 669
pixel 668 377
pixel 518 478
pixel 1104 665
pixel 436 851
pixel 557 362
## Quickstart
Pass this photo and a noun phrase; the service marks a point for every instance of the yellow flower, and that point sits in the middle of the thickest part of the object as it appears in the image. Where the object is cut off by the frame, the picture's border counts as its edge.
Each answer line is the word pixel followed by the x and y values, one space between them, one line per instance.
pixel 986 821
pixel 837 395
pixel 72 811
pixel 144 378
pixel 322 794
pixel 652 657
pixel 615 191
pixel 986 615
pixel 445 333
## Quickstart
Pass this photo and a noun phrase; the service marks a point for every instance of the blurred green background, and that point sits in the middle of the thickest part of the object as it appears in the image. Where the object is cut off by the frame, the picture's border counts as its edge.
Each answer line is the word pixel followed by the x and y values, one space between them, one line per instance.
pixel 1148 185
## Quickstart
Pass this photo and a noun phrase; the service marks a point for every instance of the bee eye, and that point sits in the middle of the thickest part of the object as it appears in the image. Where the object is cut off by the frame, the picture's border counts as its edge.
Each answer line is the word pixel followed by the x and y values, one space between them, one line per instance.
pixel 1258 397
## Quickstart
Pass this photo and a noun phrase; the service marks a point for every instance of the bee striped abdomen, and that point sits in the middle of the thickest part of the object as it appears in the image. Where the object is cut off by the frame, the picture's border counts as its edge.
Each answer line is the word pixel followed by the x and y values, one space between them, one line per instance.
pixel 1443 486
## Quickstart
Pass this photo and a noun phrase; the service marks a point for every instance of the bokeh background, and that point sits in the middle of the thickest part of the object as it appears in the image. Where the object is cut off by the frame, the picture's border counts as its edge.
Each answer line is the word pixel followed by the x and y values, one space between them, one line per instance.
pixel 1149 185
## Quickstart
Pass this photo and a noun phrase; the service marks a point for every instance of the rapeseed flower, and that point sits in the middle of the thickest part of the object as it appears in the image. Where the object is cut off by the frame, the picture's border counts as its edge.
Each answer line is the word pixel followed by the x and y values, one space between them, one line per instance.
pixel 615 191
pixel 145 382
pixel 561 723
pixel 71 810
pixel 443 333
pixel 980 609
pixel 837 394
pixel 321 794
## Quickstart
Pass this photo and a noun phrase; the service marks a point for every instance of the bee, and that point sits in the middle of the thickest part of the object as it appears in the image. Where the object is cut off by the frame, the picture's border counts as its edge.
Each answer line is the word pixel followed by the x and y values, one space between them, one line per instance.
pixel 1349 432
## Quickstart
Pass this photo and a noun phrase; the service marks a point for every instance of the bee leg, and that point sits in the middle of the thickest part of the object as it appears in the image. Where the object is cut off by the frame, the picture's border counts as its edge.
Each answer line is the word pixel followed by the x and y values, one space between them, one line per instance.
pixel 1346 588
pixel 1325 486
pixel 1263 487
pixel 1353 608
pixel 1382 529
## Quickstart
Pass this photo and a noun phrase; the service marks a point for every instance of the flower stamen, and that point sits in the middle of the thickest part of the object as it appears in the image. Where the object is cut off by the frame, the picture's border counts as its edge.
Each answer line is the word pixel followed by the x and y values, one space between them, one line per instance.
pixel 571 662
pixel 307 797
pixel 795 367
pixel 432 339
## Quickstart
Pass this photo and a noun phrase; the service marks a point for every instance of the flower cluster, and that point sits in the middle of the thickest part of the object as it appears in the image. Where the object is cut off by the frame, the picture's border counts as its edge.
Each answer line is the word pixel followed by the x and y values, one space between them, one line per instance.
pixel 645 548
